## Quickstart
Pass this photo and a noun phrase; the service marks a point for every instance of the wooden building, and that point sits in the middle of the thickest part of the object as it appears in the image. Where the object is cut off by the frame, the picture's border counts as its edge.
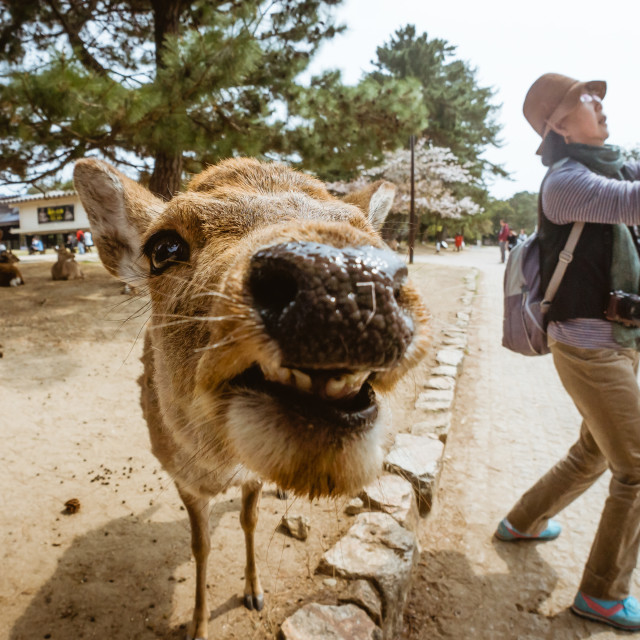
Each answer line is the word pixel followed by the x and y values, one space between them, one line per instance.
pixel 51 216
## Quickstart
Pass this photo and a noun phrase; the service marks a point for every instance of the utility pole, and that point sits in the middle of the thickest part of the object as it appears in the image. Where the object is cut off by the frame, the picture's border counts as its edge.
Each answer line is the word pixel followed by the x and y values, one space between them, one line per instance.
pixel 412 209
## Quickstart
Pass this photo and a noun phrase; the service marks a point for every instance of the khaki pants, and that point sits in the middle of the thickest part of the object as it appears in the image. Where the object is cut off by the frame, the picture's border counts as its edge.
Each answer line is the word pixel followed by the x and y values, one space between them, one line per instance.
pixel 603 385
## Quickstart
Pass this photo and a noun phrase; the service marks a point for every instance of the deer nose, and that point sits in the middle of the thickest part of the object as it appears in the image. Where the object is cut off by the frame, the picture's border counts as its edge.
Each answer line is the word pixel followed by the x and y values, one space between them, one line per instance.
pixel 331 308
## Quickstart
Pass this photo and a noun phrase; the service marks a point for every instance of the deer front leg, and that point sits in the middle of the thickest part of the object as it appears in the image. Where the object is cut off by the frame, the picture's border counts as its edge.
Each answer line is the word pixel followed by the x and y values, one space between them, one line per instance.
pixel 198 510
pixel 253 594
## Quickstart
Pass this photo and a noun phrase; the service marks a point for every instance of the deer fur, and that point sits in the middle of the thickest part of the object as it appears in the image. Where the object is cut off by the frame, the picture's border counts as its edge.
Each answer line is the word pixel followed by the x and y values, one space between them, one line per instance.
pixel 66 267
pixel 205 333
pixel 10 275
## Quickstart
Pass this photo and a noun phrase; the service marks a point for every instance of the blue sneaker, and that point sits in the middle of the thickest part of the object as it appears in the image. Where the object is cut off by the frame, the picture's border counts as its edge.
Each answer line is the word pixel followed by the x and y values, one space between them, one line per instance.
pixel 508 533
pixel 621 614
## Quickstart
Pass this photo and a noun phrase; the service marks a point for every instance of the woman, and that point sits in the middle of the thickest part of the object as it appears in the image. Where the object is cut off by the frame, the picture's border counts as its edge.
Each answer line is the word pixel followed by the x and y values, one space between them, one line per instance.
pixel 596 359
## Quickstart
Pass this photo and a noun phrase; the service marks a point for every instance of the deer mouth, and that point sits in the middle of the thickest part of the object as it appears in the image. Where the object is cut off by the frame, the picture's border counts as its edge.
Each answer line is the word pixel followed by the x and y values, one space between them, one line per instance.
pixel 336 399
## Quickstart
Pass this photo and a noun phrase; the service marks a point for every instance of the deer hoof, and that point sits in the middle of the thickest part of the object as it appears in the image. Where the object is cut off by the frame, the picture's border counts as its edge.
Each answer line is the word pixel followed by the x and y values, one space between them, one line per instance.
pixel 254 602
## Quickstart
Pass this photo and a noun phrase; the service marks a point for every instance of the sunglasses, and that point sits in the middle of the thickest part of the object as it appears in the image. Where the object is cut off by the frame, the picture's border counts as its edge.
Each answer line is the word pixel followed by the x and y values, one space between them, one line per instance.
pixel 590 97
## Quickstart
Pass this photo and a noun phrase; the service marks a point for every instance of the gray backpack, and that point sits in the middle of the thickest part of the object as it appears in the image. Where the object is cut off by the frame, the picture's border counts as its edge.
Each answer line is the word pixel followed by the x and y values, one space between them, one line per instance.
pixel 524 326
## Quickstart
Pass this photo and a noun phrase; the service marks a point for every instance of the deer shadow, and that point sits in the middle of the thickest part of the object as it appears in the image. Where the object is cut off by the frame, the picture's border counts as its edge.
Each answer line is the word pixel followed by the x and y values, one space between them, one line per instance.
pixel 118 582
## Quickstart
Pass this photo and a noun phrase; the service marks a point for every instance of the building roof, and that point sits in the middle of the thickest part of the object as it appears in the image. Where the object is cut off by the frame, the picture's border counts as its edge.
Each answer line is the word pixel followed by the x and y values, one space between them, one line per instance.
pixel 9 217
pixel 50 195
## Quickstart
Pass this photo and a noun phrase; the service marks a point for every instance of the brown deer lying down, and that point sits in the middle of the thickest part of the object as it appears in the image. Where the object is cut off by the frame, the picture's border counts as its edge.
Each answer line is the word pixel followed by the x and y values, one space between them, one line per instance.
pixel 10 275
pixel 277 319
pixel 66 268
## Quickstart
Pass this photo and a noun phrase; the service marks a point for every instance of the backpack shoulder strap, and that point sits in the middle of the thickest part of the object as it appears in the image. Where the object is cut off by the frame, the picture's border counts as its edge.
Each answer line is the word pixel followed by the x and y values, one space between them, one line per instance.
pixel 566 255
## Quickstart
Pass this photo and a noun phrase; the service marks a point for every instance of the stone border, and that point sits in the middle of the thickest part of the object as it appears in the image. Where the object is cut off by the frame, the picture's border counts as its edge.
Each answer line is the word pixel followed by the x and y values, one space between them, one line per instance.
pixel 377 554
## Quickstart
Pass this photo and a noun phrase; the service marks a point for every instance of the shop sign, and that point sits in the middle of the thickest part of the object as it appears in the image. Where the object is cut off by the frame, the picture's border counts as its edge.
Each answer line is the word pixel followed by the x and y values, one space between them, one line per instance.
pixel 57 213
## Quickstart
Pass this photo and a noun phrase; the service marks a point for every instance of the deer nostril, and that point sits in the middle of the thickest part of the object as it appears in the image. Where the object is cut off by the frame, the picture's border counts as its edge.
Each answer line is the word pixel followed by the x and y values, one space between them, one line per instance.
pixel 272 289
pixel 399 281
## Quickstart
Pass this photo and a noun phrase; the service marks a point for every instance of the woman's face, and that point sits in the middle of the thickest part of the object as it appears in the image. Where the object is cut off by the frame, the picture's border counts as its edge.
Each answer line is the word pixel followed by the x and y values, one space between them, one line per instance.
pixel 586 124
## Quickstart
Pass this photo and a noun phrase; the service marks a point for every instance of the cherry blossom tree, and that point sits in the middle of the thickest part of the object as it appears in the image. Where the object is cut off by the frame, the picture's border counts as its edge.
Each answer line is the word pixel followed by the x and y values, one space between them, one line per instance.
pixel 439 181
pixel 436 171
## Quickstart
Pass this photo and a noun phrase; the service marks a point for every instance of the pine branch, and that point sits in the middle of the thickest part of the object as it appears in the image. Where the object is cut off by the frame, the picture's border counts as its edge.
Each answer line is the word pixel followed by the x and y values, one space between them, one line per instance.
pixel 76 42
pixel 60 162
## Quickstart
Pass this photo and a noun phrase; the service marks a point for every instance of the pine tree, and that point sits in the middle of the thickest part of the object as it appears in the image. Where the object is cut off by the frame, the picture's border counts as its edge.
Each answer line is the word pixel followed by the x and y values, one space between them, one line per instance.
pixel 165 86
pixel 461 115
pixel 342 130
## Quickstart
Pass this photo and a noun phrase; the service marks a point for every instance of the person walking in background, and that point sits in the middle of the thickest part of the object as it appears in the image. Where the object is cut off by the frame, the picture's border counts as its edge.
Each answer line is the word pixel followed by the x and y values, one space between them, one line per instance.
pixel 503 239
pixel 596 358
pixel 80 239
pixel 459 241
pixel 440 243
pixel 523 236
pixel 88 240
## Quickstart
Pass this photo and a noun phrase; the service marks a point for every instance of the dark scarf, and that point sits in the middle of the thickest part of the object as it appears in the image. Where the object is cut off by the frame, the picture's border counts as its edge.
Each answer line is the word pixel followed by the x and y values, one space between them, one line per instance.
pixel 625 264
pixel 606 160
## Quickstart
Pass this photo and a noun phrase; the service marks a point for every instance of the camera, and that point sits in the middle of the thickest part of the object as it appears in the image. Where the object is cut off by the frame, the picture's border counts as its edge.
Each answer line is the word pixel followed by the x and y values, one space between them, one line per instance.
pixel 624 308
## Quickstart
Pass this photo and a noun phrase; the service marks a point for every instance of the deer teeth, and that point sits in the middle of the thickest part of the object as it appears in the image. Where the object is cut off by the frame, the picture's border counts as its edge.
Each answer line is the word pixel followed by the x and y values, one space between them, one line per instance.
pixel 346 385
pixel 302 380
pixel 336 387
pixel 277 374
pixel 291 377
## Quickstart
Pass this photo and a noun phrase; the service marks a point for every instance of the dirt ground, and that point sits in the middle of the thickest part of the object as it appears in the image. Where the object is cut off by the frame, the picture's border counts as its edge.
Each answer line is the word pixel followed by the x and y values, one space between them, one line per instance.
pixel 71 425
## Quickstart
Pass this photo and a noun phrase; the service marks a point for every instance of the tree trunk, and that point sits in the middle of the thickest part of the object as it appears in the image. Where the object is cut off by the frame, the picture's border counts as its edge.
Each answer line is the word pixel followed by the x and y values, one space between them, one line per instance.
pixel 167 171
pixel 167 175
pixel 166 18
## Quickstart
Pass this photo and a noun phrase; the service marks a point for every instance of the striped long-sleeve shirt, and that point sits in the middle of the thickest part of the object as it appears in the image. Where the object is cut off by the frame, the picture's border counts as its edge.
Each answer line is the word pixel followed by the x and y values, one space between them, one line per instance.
pixel 573 193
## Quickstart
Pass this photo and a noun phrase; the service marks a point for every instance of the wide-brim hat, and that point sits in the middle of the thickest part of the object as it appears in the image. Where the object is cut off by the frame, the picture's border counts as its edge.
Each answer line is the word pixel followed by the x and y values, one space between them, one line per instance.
pixel 552 97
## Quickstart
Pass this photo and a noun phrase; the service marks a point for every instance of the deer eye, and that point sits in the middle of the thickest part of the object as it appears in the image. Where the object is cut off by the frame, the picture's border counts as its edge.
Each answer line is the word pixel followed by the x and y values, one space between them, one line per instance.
pixel 165 249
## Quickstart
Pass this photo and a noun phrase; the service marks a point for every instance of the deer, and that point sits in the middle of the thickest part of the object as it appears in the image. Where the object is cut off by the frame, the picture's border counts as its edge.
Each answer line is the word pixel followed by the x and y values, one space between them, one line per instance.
pixel 10 275
pixel 279 324
pixel 66 267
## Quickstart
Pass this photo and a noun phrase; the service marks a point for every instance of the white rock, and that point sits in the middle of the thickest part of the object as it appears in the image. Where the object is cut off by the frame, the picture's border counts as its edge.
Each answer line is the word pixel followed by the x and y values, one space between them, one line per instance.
pixel 377 548
pixel 362 593
pixel 441 382
pixel 451 357
pixel 435 400
pixel 445 370
pixel 354 507
pixel 453 330
pixel 395 496
pixel 419 460
pixel 434 424
pixel 297 526
pixel 327 622
pixel 458 342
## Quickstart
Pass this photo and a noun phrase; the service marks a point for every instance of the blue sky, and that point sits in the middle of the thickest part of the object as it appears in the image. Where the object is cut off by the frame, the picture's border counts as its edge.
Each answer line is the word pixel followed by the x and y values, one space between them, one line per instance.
pixel 511 43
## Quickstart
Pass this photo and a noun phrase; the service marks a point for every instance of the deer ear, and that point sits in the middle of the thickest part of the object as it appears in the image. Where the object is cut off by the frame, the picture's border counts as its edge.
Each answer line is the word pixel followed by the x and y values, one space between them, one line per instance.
pixel 120 211
pixel 375 200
